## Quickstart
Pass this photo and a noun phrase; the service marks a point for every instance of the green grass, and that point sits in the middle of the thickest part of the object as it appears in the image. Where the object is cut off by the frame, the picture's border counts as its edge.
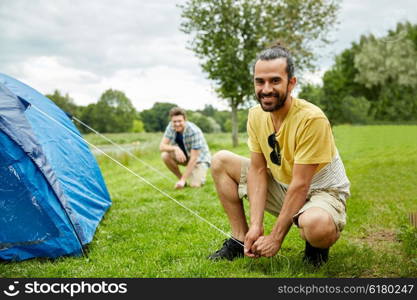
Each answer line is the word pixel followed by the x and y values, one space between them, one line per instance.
pixel 145 234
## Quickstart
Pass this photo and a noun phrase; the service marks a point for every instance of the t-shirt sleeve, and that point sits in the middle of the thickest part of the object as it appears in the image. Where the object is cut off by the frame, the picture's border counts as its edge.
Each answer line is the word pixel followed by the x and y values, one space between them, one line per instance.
pixel 315 144
pixel 169 133
pixel 253 142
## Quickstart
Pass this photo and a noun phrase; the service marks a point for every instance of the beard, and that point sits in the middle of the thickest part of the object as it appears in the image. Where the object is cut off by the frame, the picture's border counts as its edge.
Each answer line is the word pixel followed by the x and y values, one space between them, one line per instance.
pixel 280 100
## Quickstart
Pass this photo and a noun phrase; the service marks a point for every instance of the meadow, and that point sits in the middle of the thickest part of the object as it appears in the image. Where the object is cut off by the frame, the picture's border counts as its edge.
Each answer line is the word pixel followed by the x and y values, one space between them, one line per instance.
pixel 146 234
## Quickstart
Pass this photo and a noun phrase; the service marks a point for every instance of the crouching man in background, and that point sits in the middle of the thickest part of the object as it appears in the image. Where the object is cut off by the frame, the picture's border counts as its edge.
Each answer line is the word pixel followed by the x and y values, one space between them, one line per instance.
pixel 184 144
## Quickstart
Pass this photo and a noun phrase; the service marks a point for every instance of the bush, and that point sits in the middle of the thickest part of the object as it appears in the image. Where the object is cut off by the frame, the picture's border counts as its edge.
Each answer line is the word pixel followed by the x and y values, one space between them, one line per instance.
pixel 138 126
pixel 355 110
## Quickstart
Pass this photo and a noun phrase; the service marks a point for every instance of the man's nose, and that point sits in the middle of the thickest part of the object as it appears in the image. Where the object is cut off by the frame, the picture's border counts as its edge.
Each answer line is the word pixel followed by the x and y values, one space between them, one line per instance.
pixel 267 88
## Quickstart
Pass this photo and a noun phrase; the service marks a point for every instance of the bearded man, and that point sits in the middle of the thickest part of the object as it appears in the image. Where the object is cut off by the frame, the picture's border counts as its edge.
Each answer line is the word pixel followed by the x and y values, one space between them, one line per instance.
pixel 294 171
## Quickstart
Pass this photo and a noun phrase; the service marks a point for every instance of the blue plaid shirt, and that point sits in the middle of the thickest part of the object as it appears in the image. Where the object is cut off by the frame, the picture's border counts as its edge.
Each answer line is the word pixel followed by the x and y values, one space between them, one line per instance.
pixel 193 140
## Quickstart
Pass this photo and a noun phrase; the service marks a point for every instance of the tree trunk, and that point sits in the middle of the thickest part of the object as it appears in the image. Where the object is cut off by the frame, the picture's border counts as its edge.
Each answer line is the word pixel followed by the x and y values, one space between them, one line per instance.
pixel 235 137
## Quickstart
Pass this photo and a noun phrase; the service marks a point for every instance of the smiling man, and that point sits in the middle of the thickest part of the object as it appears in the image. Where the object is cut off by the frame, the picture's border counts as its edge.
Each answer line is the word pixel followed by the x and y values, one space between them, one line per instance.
pixel 184 144
pixel 294 171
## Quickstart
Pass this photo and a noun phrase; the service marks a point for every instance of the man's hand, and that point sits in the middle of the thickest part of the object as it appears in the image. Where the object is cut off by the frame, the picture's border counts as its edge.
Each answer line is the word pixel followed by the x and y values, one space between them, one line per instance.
pixel 251 236
pixel 266 246
pixel 180 184
pixel 179 155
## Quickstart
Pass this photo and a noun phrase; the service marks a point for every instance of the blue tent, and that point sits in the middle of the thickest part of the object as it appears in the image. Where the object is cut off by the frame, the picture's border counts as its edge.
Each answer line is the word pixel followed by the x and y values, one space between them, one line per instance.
pixel 52 193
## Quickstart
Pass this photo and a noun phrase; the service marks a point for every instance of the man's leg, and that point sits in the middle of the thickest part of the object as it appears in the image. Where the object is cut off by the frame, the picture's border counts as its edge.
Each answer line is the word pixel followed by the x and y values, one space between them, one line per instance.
pixel 171 164
pixel 225 169
pixel 318 228
pixel 320 221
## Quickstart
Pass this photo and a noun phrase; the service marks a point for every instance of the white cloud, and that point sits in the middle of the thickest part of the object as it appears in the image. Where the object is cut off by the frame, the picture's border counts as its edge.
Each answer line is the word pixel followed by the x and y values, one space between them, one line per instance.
pixel 162 84
pixel 143 86
pixel 85 47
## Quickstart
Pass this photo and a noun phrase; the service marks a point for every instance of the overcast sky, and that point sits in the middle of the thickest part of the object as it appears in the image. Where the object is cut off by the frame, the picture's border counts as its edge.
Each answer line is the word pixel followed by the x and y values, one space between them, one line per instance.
pixel 85 47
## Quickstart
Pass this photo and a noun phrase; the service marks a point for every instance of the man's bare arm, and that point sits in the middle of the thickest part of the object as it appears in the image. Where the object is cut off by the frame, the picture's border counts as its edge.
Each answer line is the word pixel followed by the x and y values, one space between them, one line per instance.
pixel 294 200
pixel 191 164
pixel 165 146
pixel 257 190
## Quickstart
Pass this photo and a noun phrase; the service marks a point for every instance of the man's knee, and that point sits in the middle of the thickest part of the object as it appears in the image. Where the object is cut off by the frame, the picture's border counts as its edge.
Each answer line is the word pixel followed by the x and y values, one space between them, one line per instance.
pixel 166 156
pixel 219 160
pixel 318 227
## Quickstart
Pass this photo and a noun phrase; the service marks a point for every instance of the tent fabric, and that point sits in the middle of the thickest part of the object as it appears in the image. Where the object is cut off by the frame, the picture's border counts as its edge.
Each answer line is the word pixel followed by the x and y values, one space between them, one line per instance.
pixel 52 193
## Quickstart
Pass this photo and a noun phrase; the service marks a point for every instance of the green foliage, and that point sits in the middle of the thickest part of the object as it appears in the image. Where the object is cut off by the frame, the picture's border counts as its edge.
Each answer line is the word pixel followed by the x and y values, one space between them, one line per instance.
pixel 66 103
pixel 408 236
pixel 227 35
pixel 354 110
pixel 380 62
pixel 113 112
pixel 314 94
pixel 157 117
pixel 138 126
pixel 242 119
pixel 221 118
pixel 374 80
pixel 205 123
pixel 209 110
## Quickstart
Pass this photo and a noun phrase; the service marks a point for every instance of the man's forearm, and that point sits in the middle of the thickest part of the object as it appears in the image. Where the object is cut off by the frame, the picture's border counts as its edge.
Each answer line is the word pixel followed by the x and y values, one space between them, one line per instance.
pixel 294 200
pixel 189 168
pixel 257 183
pixel 167 148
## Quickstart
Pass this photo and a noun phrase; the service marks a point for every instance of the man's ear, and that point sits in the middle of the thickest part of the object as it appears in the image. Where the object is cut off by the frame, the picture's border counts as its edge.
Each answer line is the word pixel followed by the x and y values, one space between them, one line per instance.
pixel 292 83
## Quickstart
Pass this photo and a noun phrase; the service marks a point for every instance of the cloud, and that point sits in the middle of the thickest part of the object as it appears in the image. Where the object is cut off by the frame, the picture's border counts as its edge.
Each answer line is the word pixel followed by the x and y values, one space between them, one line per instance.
pixel 85 47
pixel 143 86
pixel 99 36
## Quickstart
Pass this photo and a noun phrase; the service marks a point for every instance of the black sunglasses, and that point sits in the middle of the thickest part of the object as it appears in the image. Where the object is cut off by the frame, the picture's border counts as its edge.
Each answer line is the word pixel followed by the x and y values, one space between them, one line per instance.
pixel 276 151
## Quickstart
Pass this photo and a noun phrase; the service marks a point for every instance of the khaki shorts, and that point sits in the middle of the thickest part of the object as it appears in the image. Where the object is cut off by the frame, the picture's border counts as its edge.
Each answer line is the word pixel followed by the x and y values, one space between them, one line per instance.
pixel 198 174
pixel 325 199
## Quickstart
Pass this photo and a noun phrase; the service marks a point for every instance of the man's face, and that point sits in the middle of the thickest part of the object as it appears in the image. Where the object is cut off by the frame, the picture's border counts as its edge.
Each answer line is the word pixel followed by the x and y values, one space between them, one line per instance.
pixel 178 122
pixel 271 83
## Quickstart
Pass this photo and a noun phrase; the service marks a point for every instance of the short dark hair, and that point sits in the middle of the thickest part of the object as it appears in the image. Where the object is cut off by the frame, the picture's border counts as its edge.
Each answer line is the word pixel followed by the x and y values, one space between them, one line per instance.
pixel 176 111
pixel 277 51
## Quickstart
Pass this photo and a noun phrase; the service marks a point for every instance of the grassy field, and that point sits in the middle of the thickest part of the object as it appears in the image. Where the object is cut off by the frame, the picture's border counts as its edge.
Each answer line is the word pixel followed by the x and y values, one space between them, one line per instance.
pixel 145 234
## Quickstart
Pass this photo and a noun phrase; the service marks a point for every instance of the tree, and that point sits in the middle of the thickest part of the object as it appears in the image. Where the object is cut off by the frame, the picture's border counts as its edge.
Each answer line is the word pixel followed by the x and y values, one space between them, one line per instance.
pixel 314 94
pixel 221 118
pixel 113 112
pixel 388 66
pixel 206 124
pixel 226 35
pixel 66 103
pixel 375 79
pixel 157 117
pixel 90 116
pixel 380 62
pixel 138 126
pixel 355 110
pixel 338 83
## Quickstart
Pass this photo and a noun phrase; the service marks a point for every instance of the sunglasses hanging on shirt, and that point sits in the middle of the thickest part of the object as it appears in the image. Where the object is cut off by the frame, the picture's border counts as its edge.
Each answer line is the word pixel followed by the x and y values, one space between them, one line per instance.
pixel 276 151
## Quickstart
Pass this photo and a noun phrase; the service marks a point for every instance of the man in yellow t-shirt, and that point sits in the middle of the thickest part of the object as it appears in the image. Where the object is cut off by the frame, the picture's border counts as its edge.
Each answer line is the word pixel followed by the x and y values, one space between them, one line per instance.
pixel 294 171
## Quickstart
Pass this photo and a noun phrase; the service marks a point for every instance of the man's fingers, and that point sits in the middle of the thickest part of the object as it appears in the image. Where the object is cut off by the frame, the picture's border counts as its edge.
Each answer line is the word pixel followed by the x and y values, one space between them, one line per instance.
pixel 248 244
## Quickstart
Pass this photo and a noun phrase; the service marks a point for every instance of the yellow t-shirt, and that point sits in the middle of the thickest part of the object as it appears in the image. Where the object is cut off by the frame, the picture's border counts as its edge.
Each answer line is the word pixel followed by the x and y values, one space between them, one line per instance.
pixel 305 137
